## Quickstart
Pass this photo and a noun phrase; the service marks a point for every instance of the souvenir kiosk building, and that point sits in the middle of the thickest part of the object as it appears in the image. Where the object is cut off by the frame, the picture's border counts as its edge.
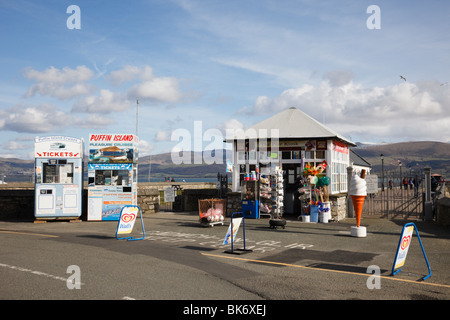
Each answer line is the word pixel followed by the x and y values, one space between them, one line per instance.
pixel 301 141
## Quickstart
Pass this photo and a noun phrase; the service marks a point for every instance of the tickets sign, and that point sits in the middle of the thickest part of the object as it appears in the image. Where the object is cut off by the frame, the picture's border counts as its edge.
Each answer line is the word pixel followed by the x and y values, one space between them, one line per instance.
pixel 58 147
pixel 403 247
pixel 127 219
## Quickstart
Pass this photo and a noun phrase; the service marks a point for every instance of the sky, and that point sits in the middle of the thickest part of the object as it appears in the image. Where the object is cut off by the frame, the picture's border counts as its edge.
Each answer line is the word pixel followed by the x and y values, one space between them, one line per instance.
pixel 221 65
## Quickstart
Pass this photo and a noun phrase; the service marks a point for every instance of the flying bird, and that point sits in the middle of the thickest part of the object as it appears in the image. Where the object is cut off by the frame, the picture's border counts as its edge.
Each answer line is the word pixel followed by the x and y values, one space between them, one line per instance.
pixel 402 77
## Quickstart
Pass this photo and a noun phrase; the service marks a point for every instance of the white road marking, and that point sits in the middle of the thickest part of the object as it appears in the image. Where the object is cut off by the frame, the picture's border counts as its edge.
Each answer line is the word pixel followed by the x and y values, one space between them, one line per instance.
pixel 39 273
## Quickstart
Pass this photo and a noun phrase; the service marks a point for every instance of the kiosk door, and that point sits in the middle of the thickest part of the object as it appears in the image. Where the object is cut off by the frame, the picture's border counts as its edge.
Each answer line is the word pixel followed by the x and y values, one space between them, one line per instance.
pixel 292 171
pixel 45 200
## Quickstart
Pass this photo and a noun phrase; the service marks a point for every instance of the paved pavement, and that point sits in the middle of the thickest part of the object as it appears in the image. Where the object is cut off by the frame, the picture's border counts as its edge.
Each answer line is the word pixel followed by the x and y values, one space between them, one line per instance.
pixel 180 259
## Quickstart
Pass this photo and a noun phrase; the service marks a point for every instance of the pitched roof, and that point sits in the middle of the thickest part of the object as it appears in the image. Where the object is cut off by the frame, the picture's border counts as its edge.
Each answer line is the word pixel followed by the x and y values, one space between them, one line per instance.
pixel 294 123
pixel 358 160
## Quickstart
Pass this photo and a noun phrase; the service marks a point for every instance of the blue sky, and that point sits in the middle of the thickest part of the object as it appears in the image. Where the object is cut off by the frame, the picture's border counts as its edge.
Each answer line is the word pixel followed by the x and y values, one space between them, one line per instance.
pixel 228 64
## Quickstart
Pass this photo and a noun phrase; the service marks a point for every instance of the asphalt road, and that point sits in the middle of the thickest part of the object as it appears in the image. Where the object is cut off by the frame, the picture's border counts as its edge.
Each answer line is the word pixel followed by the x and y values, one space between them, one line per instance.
pixel 181 260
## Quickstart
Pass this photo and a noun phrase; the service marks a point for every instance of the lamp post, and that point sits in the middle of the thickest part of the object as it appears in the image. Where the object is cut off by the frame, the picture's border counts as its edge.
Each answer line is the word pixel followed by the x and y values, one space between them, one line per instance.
pixel 400 165
pixel 382 172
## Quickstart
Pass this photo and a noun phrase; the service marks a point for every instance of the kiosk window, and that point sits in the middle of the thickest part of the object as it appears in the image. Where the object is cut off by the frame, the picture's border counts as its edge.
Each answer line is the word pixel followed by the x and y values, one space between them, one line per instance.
pixel 112 177
pixel 286 155
pixel 58 172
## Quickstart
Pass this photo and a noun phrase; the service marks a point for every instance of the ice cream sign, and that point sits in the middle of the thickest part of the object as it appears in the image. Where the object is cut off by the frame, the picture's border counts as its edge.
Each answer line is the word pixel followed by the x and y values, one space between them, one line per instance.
pixel 405 240
pixel 128 217
pixel 403 246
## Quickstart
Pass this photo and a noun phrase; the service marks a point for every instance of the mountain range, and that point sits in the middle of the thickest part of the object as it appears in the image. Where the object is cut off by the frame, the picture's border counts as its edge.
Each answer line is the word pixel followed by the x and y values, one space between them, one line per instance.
pixel 411 155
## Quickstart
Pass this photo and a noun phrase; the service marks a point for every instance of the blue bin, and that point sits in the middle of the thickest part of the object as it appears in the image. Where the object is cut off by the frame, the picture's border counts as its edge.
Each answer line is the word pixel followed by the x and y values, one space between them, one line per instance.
pixel 314 213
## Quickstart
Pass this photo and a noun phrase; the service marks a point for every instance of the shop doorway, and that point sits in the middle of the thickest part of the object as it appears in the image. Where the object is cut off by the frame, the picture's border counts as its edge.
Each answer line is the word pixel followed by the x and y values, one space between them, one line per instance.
pixel 292 173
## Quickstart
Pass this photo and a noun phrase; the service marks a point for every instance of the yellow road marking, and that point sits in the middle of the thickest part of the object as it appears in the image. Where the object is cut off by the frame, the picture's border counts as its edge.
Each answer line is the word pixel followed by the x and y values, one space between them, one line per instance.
pixel 29 234
pixel 327 270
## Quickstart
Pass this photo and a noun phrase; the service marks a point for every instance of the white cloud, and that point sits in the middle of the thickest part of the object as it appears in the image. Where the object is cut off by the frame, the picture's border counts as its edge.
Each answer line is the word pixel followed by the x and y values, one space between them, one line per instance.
pixel 338 78
pixel 93 121
pixel 65 83
pixel 63 76
pixel 17 145
pixel 40 119
pixel 163 89
pixel 125 74
pixel 162 135
pixel 232 124
pixel 145 148
pixel 151 87
pixel 402 111
pixel 106 102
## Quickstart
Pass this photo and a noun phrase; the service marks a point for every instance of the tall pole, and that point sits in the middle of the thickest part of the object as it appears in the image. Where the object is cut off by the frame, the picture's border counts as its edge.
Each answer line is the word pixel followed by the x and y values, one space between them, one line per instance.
pixel 137 118
pixel 382 172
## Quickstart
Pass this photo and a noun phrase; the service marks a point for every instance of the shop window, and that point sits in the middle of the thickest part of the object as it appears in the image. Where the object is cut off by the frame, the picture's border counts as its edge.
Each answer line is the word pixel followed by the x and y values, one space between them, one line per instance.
pixel 339 172
pixel 242 172
pixel 320 154
pixel 58 171
pixel 242 156
pixel 252 155
pixel 309 154
pixel 112 178
pixel 264 157
pixel 285 155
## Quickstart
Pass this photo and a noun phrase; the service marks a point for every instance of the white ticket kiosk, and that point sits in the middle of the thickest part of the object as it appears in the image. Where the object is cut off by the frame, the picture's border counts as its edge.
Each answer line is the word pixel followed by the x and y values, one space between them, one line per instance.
pixel 58 177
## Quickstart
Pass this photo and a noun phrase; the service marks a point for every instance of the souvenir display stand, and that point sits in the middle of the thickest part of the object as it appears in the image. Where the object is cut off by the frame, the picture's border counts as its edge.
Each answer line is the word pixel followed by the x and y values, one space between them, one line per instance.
pixel 263 197
pixel 211 211
pixel 276 183
pixel 319 205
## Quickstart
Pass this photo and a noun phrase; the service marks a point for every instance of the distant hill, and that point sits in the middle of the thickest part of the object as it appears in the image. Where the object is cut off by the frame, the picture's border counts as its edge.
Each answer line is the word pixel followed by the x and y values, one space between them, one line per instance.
pixel 16 169
pixel 413 155
pixel 162 166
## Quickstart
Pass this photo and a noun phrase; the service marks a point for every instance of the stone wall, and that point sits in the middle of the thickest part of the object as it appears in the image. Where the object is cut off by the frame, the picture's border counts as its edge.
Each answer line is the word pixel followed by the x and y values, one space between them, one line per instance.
pixel 443 212
pixel 233 203
pixel 17 204
pixel 148 200
pixel 338 207
pixel 191 197
pixel 17 199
